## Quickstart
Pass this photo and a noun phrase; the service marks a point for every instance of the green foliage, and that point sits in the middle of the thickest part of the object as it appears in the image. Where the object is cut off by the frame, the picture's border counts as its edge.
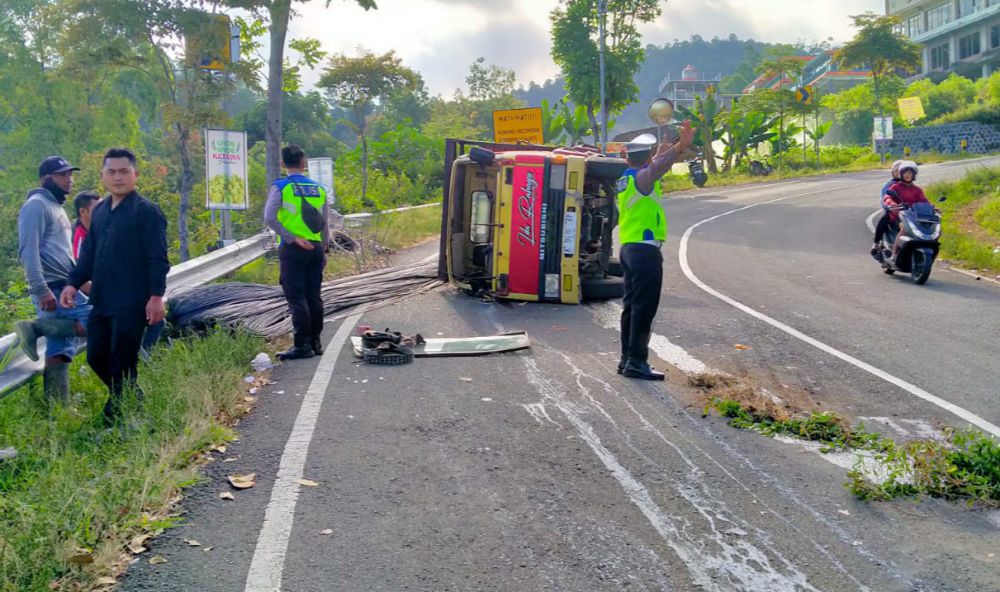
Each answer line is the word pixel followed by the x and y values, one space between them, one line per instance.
pixel 853 109
pixel 75 485
pixel 744 130
pixel 706 120
pixel 988 113
pixel 576 47
pixel 951 94
pixel 971 218
pixel 489 82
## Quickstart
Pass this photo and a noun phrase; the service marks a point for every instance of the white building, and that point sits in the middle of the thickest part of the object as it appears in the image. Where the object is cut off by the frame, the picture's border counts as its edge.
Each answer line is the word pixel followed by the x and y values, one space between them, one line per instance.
pixel 960 36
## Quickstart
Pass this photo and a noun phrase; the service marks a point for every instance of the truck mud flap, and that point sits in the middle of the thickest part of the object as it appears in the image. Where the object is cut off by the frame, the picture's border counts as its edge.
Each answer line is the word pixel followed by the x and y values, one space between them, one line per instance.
pixel 463 346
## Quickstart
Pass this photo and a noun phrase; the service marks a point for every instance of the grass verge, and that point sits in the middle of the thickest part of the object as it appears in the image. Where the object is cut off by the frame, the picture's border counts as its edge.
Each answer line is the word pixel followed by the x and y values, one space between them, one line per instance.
pixel 76 494
pixel 962 465
pixel 971 219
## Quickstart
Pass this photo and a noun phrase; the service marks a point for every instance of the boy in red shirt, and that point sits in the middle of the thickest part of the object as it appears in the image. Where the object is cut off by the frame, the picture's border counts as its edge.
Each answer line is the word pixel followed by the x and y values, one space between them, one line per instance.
pixel 84 203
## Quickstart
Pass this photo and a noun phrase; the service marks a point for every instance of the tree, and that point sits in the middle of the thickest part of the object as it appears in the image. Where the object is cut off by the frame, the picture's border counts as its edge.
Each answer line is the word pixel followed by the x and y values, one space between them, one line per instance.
pixel 552 122
pixel 854 108
pixel 358 83
pixel 744 130
pixel 575 49
pixel 784 65
pixel 489 82
pixel 279 14
pixel 878 46
pixel 705 120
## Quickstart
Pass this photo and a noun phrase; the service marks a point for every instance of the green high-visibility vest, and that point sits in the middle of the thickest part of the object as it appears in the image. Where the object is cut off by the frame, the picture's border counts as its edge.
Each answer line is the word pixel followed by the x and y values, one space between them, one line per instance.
pixel 290 215
pixel 640 217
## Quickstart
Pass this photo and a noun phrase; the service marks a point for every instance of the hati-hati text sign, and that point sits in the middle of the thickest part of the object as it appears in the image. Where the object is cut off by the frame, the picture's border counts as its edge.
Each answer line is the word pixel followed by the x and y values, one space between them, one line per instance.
pixel 518 125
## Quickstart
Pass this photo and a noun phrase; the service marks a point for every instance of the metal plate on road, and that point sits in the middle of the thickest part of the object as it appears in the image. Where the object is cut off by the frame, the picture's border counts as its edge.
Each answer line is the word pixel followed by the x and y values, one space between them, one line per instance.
pixel 463 346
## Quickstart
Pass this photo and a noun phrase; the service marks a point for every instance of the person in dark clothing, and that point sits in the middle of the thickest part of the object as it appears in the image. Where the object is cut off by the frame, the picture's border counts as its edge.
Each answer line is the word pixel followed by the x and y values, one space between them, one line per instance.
pixel 125 258
pixel 883 223
pixel 297 211
pixel 642 229
pixel 45 252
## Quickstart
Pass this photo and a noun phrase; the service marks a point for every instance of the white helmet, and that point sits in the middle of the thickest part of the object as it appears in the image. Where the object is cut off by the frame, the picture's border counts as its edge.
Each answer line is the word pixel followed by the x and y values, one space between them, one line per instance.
pixel 895 168
pixel 908 164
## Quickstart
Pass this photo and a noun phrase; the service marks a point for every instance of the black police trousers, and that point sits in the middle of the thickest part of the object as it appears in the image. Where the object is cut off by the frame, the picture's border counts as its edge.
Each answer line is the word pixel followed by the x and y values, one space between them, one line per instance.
pixel 113 342
pixel 301 277
pixel 643 264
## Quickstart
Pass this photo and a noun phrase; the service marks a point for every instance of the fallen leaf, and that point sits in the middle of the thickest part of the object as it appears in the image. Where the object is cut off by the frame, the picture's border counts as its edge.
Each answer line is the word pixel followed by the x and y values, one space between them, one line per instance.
pixel 243 481
pixel 138 544
pixel 81 557
pixel 192 543
pixel 226 496
pixel 207 549
pixel 308 483
pixel 105 581
pixel 157 560
pixel 326 531
pixel 742 347
pixel 229 460
pixel 250 399
pixel 844 512
pixel 220 449
pixel 465 379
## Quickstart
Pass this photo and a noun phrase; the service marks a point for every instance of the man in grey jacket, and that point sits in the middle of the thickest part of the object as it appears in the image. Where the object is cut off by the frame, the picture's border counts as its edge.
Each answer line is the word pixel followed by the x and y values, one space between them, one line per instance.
pixel 45 249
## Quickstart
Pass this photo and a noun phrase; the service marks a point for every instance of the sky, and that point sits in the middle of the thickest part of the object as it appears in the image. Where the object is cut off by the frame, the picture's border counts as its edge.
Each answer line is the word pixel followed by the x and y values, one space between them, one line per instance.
pixel 440 38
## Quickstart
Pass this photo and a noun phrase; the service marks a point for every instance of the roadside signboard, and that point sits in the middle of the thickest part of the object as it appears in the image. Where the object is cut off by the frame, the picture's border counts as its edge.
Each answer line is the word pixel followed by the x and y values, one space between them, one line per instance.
pixel 515 126
pixel 226 170
pixel 883 129
pixel 212 42
pixel 804 95
pixel 911 108
pixel 321 171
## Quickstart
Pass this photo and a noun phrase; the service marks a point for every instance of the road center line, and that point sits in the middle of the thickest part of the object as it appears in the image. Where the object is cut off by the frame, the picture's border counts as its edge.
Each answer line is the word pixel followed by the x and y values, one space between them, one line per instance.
pixel 268 564
pixel 899 382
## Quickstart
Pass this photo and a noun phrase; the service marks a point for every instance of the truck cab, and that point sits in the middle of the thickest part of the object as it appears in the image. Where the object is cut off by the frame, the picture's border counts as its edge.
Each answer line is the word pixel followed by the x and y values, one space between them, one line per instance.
pixel 531 223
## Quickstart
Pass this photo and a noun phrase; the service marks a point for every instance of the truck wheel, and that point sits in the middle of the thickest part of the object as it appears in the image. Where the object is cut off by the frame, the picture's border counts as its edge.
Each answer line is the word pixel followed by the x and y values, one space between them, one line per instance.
pixel 615 268
pixel 603 289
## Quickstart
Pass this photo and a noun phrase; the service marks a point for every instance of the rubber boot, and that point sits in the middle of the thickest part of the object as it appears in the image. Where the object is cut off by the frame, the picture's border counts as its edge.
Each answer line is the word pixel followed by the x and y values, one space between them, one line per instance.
pixel 55 379
pixel 317 346
pixel 28 333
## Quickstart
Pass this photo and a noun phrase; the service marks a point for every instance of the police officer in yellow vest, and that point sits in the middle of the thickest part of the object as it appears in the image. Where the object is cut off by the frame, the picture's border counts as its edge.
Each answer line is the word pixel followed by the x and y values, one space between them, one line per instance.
pixel 297 211
pixel 642 229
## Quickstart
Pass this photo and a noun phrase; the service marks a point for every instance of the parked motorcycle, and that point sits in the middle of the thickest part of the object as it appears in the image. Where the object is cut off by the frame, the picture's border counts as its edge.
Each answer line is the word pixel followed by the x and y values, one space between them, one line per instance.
pixel 760 168
pixel 697 170
pixel 918 244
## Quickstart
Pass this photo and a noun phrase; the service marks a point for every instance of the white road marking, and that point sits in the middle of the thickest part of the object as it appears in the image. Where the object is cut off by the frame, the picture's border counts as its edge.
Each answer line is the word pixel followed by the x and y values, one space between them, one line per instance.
pixel 608 314
pixel 965 414
pixel 268 564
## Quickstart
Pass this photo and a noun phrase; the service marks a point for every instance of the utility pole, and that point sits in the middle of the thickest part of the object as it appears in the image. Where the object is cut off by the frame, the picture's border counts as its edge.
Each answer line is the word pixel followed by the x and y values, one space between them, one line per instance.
pixel 602 10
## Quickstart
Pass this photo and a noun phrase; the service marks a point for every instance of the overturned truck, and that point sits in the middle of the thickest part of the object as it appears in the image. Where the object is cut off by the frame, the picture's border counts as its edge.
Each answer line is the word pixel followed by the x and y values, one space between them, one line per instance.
pixel 530 222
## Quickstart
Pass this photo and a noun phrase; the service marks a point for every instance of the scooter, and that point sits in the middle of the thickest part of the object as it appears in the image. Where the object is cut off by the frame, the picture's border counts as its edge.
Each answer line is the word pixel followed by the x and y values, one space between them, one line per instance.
pixel 761 168
pixel 918 241
pixel 698 175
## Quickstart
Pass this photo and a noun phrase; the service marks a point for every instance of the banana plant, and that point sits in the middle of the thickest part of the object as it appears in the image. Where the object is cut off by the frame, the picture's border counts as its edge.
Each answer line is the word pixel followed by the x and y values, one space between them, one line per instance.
pixel 818 133
pixel 744 131
pixel 705 118
pixel 576 124
pixel 553 122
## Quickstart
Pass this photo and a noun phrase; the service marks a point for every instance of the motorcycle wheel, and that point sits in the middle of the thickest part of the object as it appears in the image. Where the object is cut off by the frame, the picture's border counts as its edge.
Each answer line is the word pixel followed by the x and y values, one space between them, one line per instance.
pixel 920 266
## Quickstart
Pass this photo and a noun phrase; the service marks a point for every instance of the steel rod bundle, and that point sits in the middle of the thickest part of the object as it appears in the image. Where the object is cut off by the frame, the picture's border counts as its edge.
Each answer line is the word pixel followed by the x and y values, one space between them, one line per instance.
pixel 263 310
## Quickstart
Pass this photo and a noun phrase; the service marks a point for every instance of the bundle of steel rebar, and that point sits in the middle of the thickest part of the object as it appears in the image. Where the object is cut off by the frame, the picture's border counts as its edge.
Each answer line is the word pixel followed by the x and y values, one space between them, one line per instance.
pixel 263 310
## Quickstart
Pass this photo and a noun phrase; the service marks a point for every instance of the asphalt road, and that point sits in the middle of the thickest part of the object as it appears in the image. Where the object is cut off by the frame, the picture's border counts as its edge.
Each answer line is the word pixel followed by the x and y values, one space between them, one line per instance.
pixel 544 470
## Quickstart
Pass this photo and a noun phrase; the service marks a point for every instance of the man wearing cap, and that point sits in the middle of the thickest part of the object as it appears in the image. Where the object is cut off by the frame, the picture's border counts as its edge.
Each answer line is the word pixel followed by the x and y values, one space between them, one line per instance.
pixel 642 229
pixel 46 253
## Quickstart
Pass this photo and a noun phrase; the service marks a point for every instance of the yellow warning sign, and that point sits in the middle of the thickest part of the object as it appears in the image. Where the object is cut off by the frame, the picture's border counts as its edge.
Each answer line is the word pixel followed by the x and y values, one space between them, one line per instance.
pixel 911 108
pixel 518 126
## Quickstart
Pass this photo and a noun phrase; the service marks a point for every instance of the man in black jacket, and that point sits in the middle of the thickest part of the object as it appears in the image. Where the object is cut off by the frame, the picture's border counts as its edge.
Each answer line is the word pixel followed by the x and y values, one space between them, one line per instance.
pixel 125 256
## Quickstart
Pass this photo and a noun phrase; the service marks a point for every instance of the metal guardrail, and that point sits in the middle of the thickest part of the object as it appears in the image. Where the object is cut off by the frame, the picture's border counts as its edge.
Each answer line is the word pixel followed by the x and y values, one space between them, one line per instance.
pixel 184 276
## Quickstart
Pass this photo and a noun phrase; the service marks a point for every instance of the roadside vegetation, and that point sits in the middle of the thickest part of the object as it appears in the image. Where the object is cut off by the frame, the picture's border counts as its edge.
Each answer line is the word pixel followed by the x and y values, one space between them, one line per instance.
pixel 971 219
pixel 77 496
pixel 961 465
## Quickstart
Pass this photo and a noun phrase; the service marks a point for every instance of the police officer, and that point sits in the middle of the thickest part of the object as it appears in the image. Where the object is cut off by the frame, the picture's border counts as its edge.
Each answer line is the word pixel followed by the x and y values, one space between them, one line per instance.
pixel 296 210
pixel 642 229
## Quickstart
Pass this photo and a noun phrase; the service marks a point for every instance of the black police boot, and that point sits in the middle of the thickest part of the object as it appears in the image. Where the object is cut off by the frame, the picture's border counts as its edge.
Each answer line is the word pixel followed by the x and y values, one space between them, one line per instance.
pixel 642 371
pixel 621 364
pixel 297 352
pixel 317 346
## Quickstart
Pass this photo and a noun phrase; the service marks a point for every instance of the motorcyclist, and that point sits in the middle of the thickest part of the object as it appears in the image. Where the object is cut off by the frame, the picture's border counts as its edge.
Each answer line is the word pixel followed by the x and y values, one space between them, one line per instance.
pixel 883 223
pixel 904 192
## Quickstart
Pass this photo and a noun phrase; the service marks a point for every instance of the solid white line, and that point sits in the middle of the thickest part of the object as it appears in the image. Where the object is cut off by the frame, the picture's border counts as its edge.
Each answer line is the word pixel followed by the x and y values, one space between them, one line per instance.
pixel 910 388
pixel 871 220
pixel 268 564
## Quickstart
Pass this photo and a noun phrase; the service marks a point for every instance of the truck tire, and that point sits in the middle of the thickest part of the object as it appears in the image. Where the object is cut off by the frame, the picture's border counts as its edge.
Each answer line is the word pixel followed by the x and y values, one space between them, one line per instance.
pixel 603 289
pixel 615 267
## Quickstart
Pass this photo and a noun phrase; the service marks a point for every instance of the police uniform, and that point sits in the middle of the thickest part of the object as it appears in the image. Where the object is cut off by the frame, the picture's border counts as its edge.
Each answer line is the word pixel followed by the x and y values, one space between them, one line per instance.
pixel 302 202
pixel 642 229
